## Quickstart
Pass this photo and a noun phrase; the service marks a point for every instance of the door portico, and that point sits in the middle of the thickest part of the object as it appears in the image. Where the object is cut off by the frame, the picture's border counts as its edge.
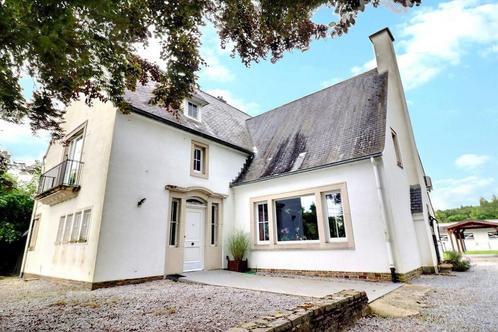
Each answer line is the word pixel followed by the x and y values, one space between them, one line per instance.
pixel 194 250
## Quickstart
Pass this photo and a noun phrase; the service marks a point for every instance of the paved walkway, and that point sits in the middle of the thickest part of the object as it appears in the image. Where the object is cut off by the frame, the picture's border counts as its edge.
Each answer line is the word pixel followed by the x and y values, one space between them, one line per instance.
pixel 291 286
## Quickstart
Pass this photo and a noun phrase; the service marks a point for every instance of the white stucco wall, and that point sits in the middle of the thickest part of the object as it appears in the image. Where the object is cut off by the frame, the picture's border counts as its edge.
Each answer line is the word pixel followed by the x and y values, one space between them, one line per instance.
pixel 146 156
pixel 369 253
pixel 75 261
pixel 409 251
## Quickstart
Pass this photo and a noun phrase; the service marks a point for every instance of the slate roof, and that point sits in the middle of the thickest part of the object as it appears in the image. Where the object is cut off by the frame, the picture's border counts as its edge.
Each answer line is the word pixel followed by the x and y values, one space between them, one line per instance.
pixel 220 121
pixel 341 123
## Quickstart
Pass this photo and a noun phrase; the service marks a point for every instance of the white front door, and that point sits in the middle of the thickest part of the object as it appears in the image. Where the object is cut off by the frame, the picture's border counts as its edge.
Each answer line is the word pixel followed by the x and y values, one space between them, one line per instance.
pixel 194 241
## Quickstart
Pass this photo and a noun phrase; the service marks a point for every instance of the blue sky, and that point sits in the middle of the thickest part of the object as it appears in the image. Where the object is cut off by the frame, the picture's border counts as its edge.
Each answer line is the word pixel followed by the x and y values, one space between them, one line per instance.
pixel 448 56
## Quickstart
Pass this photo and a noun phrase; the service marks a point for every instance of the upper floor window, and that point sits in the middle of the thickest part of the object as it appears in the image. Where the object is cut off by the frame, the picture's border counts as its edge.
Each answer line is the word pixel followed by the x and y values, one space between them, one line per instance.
pixel 397 150
pixel 193 111
pixel 199 163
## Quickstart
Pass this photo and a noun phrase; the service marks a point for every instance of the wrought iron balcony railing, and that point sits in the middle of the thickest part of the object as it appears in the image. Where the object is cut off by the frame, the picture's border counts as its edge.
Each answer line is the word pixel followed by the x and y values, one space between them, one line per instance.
pixel 65 174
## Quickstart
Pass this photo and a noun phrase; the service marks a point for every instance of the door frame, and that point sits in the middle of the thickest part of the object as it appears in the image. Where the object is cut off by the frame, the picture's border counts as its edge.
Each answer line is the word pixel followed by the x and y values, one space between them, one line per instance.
pixel 213 257
pixel 202 240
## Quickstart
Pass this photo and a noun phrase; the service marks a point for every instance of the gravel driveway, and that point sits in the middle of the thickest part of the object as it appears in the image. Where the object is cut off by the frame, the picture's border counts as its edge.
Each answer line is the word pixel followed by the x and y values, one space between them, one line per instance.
pixel 158 305
pixel 467 301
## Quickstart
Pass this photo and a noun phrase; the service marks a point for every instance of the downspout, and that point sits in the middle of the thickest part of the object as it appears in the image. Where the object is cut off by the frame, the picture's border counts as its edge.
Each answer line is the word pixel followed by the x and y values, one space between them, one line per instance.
pixel 383 212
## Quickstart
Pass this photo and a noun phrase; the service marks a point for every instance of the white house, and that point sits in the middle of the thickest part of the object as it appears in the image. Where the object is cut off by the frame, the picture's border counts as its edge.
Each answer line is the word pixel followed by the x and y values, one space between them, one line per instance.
pixel 468 235
pixel 328 184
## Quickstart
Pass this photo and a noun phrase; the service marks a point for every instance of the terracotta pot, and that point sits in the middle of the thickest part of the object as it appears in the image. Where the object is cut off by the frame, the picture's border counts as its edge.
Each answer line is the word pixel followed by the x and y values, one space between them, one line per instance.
pixel 237 266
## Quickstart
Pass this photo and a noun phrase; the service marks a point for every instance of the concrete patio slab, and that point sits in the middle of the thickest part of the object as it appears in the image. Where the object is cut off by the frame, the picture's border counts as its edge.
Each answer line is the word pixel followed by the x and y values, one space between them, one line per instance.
pixel 291 286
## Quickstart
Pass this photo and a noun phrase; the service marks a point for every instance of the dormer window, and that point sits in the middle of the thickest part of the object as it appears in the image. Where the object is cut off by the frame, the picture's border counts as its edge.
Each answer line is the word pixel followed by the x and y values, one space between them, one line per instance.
pixel 193 111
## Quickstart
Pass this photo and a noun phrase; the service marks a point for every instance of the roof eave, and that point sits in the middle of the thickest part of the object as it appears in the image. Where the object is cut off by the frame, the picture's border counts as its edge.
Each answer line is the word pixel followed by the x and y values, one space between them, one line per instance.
pixel 189 130
pixel 337 163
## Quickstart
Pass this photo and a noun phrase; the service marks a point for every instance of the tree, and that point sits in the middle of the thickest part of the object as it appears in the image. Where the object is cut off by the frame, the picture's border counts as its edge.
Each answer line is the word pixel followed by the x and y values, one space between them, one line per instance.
pixel 86 47
pixel 16 204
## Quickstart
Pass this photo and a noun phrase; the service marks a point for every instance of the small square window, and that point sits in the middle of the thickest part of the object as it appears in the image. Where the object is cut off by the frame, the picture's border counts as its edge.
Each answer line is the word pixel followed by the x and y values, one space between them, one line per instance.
pixel 199 163
pixel 193 111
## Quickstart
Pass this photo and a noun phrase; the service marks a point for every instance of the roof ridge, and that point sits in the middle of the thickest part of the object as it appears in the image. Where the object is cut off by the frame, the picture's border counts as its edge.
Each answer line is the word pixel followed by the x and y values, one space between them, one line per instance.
pixel 225 102
pixel 312 93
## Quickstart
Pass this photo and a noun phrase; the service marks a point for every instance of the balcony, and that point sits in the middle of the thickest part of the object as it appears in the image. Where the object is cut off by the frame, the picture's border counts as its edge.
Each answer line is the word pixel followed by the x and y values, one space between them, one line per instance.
pixel 60 183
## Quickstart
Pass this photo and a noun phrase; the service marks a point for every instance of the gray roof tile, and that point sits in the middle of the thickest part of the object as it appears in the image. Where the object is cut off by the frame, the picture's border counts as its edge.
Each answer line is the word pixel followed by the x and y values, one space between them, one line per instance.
pixel 343 122
pixel 219 119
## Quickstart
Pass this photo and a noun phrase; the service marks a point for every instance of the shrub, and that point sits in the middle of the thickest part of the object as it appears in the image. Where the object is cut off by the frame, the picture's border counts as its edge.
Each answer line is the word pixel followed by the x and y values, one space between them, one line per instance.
pixel 238 245
pixel 455 259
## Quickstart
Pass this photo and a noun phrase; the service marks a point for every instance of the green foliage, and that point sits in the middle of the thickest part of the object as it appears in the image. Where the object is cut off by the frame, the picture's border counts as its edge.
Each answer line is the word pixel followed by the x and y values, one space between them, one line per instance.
pixel 455 258
pixel 238 245
pixel 88 47
pixel 16 203
pixel 485 210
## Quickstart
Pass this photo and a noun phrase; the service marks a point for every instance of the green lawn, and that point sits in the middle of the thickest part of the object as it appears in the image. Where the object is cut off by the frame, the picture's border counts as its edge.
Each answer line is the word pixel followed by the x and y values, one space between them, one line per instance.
pixel 482 252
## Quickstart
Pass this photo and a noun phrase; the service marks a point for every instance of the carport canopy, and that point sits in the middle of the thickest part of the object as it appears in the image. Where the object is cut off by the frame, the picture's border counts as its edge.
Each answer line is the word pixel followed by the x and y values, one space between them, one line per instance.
pixel 456 232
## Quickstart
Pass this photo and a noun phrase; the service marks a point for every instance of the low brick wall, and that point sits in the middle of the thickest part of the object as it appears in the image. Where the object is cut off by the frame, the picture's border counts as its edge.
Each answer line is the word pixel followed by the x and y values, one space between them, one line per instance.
pixel 92 285
pixel 370 276
pixel 335 312
pixel 404 277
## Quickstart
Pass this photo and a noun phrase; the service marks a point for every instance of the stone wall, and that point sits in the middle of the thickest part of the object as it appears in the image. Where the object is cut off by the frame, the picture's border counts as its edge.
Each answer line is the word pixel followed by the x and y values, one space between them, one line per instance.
pixel 334 312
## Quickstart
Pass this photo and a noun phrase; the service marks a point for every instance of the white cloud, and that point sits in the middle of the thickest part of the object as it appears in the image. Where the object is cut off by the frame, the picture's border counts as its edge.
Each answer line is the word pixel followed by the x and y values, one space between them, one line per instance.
pixel 245 106
pixel 436 38
pixel 214 55
pixel 470 161
pixel 451 192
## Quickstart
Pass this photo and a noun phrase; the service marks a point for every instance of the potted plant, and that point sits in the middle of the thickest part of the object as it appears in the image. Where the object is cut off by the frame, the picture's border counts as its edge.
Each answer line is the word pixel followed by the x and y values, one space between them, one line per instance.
pixel 238 245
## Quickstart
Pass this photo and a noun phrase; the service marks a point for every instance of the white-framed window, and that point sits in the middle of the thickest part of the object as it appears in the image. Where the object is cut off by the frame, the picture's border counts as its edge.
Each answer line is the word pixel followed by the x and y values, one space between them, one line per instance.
pixel 193 111
pixel 34 233
pixel 311 218
pixel 335 215
pixel 468 236
pixel 73 228
pixel 75 233
pixel 68 228
pixel 198 157
pixel 262 223
pixel 85 225
pixel 174 221
pixel 493 235
pixel 397 149
pixel 199 163
pixel 60 230
pixel 296 219
pixel 214 224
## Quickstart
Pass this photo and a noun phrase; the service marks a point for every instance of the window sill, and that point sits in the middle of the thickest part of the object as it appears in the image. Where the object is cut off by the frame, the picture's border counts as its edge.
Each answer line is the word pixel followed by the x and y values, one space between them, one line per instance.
pixel 198 175
pixel 305 246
